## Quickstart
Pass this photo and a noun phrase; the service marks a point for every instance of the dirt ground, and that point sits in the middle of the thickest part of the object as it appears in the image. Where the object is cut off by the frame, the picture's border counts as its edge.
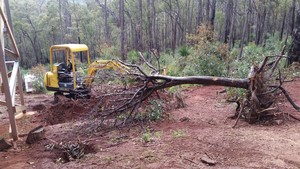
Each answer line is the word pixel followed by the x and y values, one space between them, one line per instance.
pixel 180 140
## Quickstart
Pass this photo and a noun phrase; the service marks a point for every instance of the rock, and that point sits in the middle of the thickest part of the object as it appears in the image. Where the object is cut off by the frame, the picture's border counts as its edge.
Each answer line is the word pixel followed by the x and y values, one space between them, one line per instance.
pixel 35 135
pixel 183 119
pixel 208 161
pixel 278 122
pixel 4 145
pixel 30 162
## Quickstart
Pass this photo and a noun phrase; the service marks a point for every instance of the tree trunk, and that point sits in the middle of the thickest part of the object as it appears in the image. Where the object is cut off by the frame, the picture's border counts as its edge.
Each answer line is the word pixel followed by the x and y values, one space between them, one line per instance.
pixel 199 17
pixel 140 25
pixel 227 21
pixel 60 22
pixel 112 13
pixel 122 26
pixel 180 33
pixel 244 31
pixel 207 5
pixel 191 16
pixel 106 26
pixel 155 34
pixel 292 17
pixel 149 29
pixel 188 21
pixel 260 22
pixel 266 27
pixel 67 21
pixel 133 37
pixel 232 30
pixel 294 52
pixel 207 80
pixel 283 22
pixel 213 13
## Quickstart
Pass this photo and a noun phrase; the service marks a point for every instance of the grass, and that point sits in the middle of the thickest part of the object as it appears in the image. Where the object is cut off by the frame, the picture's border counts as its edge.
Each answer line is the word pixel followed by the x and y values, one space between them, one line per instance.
pixel 178 133
pixel 148 136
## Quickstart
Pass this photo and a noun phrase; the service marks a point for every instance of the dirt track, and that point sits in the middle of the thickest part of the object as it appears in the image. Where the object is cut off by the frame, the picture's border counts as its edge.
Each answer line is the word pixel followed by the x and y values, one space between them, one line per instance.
pixel 179 141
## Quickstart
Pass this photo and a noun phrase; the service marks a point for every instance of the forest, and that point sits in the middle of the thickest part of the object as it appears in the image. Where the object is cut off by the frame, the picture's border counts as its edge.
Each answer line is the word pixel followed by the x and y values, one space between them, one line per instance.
pixel 208 35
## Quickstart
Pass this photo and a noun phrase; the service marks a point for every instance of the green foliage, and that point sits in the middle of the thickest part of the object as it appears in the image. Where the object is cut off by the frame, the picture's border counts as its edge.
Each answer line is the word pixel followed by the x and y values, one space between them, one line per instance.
pixel 148 136
pixel 155 112
pixel 236 93
pixel 253 54
pixel 133 56
pixel 204 65
pixel 209 56
pixel 178 133
pixel 184 51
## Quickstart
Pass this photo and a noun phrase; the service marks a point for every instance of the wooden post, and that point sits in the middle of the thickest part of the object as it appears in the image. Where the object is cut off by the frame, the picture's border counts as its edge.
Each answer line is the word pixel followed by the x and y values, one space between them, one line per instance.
pixel 5 82
pixel 9 86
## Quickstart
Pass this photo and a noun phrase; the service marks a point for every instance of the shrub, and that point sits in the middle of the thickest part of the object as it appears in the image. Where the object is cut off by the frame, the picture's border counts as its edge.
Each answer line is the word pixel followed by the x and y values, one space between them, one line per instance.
pixel 155 112
pixel 39 72
pixel 133 56
pixel 184 51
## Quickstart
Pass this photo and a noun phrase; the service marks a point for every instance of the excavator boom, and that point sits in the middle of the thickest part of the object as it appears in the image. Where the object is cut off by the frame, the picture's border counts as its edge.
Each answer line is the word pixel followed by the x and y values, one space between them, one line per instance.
pixel 102 65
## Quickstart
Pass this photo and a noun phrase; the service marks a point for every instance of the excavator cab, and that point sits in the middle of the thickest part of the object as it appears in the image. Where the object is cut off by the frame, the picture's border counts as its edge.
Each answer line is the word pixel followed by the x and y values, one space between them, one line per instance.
pixel 63 77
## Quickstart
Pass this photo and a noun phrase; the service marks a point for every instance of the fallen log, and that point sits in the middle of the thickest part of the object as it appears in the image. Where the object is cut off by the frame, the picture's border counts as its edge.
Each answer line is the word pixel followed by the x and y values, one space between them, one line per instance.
pixel 263 84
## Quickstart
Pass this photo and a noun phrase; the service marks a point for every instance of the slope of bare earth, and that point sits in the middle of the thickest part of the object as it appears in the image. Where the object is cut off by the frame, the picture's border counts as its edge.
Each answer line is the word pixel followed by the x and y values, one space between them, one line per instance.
pixel 180 140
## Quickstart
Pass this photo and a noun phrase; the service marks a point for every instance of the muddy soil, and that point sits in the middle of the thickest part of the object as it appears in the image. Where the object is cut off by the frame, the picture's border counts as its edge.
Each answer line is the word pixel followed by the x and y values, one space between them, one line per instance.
pixel 180 140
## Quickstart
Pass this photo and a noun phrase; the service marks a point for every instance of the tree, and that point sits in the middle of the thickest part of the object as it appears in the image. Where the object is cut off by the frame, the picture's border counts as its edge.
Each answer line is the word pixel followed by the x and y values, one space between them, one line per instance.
pixel 106 26
pixel 140 25
pixel 259 101
pixel 244 30
pixel 213 13
pixel 122 27
pixel 294 52
pixel 227 21
pixel 199 17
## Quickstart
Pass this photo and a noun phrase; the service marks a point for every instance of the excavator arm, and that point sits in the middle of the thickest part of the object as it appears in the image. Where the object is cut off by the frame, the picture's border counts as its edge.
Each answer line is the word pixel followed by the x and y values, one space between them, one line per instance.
pixel 103 64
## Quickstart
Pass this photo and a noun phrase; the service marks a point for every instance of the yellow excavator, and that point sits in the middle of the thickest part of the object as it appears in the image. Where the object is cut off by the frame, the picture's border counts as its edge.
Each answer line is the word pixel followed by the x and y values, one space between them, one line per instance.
pixel 63 77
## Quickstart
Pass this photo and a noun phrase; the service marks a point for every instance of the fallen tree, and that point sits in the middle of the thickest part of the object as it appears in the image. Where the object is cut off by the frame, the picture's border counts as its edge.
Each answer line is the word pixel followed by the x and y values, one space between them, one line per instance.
pixel 264 82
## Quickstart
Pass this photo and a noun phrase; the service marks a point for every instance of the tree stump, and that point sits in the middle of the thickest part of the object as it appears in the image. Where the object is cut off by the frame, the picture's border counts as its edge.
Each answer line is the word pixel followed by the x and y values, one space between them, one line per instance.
pixel 4 144
pixel 35 135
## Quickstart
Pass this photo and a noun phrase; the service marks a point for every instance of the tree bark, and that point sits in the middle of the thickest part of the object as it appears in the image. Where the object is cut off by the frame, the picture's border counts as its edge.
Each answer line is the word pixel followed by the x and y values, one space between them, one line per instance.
pixel 294 52
pixel 227 21
pixel 122 27
pixel 292 17
pixel 244 31
pixel 149 28
pixel 232 30
pixel 133 36
pixel 106 26
pixel 283 22
pixel 155 34
pixel 207 80
pixel 213 13
pixel 199 17
pixel 260 22
pixel 140 25
pixel 207 5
